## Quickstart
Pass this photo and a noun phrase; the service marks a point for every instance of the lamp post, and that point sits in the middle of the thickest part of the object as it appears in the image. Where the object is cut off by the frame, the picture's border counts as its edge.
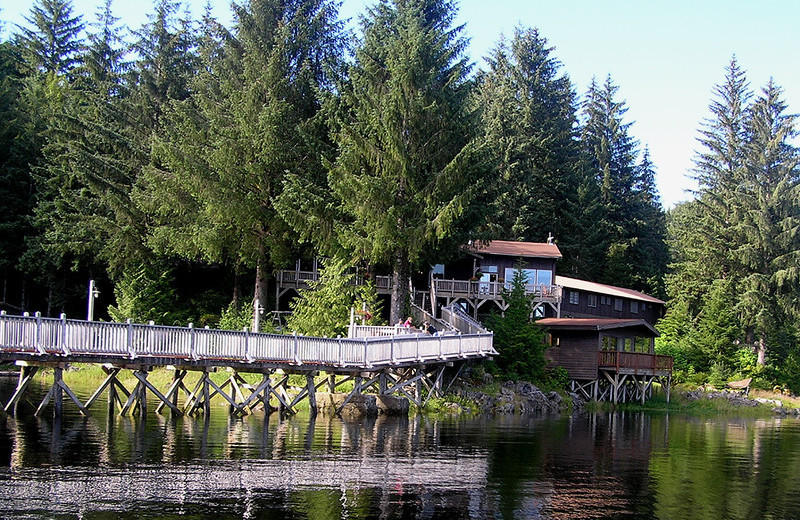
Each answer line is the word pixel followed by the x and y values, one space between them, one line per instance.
pixel 93 293
pixel 258 310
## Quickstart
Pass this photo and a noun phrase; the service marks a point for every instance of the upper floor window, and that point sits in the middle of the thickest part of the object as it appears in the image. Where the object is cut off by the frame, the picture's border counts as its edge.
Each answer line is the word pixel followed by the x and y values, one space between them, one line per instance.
pixel 618 304
pixel 634 307
pixel 592 300
pixel 574 297
pixel 605 300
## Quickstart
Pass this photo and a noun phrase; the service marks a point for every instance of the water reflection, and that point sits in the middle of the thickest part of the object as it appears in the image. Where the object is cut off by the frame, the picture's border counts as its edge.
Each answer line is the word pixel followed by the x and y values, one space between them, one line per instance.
pixel 586 466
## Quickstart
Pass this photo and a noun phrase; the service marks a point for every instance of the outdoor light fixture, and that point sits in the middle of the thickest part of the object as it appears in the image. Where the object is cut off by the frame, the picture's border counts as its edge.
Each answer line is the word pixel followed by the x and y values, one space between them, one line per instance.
pixel 93 293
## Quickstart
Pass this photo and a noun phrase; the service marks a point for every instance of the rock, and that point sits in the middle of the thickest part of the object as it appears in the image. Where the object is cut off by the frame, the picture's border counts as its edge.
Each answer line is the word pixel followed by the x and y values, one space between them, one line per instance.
pixel 391 405
pixel 358 407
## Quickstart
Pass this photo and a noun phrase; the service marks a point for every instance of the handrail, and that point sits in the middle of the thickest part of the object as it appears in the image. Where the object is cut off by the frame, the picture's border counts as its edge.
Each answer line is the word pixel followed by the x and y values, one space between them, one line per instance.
pixel 634 360
pixel 35 335
pixel 462 321
pixel 492 290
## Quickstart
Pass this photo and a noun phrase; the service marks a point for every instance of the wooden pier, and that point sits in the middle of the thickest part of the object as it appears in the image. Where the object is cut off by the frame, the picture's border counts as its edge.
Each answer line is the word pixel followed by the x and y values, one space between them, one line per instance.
pixel 401 365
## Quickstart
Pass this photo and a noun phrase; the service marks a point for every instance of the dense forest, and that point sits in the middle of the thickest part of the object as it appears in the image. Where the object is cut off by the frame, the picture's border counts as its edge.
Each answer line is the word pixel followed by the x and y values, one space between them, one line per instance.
pixel 179 164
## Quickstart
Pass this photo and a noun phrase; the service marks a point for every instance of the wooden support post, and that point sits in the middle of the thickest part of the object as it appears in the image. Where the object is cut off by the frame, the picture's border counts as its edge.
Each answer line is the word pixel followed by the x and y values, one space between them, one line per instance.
pixel 332 382
pixel 58 397
pixel 312 397
pixel 26 374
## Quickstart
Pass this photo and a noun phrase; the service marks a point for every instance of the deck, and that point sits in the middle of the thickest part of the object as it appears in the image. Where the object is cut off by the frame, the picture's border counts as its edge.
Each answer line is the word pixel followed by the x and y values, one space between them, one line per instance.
pixel 634 363
pixel 23 337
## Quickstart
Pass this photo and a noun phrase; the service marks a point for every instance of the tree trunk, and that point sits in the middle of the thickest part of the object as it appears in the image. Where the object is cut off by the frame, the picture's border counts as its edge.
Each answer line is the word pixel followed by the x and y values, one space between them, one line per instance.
pixel 399 287
pixel 761 350
pixel 260 293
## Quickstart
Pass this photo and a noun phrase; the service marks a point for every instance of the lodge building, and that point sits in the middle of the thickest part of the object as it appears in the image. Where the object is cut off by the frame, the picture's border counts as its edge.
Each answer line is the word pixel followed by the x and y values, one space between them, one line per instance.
pixel 602 335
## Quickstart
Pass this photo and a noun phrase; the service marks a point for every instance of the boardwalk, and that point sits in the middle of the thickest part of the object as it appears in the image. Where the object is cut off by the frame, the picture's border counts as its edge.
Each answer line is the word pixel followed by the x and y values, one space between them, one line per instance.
pixel 35 341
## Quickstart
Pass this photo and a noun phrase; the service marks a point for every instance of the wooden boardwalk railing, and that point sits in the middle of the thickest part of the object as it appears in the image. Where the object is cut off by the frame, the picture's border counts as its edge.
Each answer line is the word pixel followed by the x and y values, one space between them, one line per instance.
pixel 638 362
pixel 39 336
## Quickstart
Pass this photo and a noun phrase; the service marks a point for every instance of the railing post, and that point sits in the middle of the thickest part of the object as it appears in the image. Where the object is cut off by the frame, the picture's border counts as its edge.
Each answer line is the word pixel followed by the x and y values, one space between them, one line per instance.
pixel 38 335
pixel 366 343
pixel 296 349
pixel 131 353
pixel 341 353
pixel 63 336
pixel 391 352
pixel 440 348
pixel 460 346
pixel 192 348
pixel 247 345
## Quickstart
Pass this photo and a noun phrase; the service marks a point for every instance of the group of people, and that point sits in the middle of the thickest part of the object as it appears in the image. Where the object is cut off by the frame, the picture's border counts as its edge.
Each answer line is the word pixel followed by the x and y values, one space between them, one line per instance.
pixel 409 324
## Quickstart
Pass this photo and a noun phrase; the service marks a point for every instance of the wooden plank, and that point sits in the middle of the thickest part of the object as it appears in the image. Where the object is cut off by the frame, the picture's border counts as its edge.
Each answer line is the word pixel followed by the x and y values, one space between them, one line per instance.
pixel 112 375
pixel 26 374
pixel 142 377
pixel 69 393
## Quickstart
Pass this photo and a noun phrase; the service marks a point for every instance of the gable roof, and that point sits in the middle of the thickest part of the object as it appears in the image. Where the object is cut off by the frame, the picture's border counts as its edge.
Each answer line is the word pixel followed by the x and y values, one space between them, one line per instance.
pixel 595 324
pixel 608 290
pixel 516 249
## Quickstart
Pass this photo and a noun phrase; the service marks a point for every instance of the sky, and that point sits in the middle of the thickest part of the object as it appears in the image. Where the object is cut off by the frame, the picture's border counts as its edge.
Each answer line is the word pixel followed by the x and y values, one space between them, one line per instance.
pixel 665 56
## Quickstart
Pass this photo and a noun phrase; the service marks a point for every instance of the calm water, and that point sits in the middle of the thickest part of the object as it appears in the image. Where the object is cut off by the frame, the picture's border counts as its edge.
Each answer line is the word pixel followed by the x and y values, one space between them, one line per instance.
pixel 583 467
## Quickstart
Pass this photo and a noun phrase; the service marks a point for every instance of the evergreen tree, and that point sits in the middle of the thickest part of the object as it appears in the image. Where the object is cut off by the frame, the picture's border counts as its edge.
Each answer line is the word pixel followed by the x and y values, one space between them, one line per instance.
pixel 631 220
pixel 529 116
pixel 51 41
pixel 518 340
pixel 17 151
pixel 407 175
pixel 221 163
pixel 324 308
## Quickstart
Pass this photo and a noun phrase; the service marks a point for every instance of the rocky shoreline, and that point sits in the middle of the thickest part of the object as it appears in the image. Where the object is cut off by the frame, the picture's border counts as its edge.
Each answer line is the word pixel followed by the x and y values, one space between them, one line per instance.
pixel 514 398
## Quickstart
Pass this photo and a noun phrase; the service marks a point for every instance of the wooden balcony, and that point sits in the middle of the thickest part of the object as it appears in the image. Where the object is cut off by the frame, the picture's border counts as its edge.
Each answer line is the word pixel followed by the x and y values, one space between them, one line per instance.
pixel 478 290
pixel 634 363
pixel 296 279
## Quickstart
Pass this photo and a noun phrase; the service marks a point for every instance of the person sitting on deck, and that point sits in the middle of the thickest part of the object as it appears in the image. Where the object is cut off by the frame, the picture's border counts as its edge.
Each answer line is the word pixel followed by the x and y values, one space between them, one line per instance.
pixel 408 323
pixel 430 329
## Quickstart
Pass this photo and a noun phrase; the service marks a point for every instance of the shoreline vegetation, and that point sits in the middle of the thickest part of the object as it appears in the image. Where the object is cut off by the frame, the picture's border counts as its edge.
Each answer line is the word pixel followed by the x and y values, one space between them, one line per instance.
pixel 490 397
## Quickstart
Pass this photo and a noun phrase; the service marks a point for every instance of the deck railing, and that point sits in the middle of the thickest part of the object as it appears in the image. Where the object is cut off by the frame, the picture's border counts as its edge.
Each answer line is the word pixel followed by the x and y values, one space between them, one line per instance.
pixel 634 361
pixel 299 279
pixel 35 335
pixel 492 290
pixel 462 321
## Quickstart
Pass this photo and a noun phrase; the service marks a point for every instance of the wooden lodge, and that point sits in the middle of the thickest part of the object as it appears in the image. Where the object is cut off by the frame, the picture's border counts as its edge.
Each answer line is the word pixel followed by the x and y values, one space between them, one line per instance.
pixel 607 359
pixel 603 335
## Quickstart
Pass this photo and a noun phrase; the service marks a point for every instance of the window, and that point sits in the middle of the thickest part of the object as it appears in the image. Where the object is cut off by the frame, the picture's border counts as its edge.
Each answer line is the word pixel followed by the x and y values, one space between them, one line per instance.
pixel 609 343
pixel 592 298
pixel 574 298
pixel 634 307
pixel 618 304
pixel 532 276
pixel 605 300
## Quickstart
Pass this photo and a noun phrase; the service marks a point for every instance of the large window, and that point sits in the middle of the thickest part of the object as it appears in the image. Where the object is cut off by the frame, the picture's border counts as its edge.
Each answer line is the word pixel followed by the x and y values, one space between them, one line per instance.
pixel 634 307
pixel 592 300
pixel 574 297
pixel 618 304
pixel 532 276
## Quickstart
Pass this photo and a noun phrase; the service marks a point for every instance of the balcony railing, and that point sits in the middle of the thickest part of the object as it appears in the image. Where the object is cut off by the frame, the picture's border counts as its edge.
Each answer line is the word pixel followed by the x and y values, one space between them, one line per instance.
pixel 638 362
pixel 492 290
pixel 299 279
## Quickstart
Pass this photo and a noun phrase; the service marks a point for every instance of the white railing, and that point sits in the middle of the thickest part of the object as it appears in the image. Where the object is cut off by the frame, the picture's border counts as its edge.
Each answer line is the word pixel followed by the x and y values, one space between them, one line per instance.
pixel 491 290
pixel 462 321
pixel 35 335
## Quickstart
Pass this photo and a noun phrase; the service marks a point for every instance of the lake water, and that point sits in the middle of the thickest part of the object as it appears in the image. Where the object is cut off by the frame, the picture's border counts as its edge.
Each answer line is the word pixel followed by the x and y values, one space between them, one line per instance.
pixel 586 466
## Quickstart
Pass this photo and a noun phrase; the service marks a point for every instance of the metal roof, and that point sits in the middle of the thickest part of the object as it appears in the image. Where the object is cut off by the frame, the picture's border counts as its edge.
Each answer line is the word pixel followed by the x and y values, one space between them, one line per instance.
pixel 609 290
pixel 518 249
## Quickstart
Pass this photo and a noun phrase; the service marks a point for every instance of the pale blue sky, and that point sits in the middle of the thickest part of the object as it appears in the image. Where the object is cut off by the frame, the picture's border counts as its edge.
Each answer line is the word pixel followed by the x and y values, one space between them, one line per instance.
pixel 665 56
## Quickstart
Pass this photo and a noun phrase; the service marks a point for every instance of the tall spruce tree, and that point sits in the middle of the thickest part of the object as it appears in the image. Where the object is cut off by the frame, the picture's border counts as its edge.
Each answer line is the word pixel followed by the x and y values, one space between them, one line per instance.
pixel 529 118
pixel 51 40
pixel 221 164
pixel 631 220
pixel 408 175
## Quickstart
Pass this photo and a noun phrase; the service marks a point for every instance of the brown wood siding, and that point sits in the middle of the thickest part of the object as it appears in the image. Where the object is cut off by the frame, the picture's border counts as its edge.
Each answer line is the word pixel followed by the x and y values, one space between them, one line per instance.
pixel 650 314
pixel 508 262
pixel 577 353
